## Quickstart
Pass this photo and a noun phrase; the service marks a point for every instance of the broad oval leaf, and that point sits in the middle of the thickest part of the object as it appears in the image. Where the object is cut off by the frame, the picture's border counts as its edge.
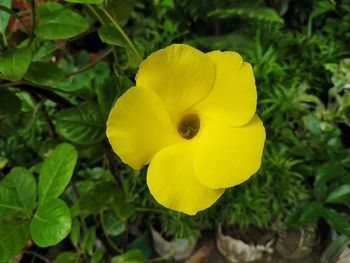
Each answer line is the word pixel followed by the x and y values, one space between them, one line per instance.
pixel 17 192
pixel 15 62
pixel 110 35
pixel 9 103
pixel 85 1
pixel 82 125
pixel 14 235
pixel 44 73
pixel 51 223
pixel 45 9
pixel 339 195
pixel 56 171
pixel 61 24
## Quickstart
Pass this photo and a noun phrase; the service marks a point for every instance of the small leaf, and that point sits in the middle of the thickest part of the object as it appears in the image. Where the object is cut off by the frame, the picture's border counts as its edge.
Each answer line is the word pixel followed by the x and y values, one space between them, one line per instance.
pixel 98 255
pixel 56 171
pixel 334 250
pixel 10 104
pixel 337 221
pixel 339 195
pixel 66 257
pixel 110 35
pixel 81 125
pixel 44 73
pixel 93 201
pixel 4 17
pixel 75 232
pixel 89 240
pixel 15 62
pixel 13 237
pixel 112 225
pixel 61 24
pixel 86 1
pixel 3 160
pixel 131 256
pixel 51 223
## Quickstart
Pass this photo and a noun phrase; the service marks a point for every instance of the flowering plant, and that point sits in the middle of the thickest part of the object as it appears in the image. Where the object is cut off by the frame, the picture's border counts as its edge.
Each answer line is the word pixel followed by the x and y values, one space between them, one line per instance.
pixel 191 116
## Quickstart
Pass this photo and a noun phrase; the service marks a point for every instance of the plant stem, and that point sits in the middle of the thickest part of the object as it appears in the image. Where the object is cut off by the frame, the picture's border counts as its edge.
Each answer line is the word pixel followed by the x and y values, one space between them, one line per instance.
pixel 41 90
pixel 144 209
pixel 162 258
pixel 92 63
pixel 121 31
pixel 110 242
pixel 37 255
pixel 4 38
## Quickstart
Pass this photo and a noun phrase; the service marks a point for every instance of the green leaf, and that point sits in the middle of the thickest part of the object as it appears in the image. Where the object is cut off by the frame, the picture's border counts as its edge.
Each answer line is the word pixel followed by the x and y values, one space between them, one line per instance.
pixel 44 73
pixel 66 257
pixel 110 35
pixel 15 62
pixel 89 240
pixel 17 193
pixel 10 104
pixel 21 187
pixel 338 222
pixel 248 11
pixel 13 237
pixel 48 8
pixel 3 160
pixel 131 256
pixel 112 225
pixel 75 232
pixel 93 201
pixel 306 213
pixel 51 223
pixel 42 50
pixel 339 195
pixel 86 1
pixel 81 125
pixel 120 9
pixel 61 24
pixel 334 250
pixel 98 255
pixel 4 17
pixel 56 171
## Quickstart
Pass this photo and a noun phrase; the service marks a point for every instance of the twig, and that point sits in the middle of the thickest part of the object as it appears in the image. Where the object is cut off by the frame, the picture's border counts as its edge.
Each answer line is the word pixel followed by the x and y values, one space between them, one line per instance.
pixel 91 64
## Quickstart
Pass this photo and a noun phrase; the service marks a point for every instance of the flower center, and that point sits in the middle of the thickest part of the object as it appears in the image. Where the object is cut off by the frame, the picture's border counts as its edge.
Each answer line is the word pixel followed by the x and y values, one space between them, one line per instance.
pixel 189 125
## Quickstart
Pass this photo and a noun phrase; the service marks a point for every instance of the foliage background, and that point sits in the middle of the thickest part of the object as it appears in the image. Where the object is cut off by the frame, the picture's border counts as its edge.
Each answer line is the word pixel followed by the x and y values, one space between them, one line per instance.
pixel 59 83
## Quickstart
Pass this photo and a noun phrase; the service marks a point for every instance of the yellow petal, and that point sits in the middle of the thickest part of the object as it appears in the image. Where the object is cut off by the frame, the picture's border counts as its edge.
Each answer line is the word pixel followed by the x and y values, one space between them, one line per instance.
pixel 172 183
pixel 232 101
pixel 227 156
pixel 139 126
pixel 180 74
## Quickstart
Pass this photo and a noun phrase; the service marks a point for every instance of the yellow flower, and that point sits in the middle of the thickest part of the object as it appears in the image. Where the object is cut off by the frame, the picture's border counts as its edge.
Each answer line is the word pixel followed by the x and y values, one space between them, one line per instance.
pixel 191 117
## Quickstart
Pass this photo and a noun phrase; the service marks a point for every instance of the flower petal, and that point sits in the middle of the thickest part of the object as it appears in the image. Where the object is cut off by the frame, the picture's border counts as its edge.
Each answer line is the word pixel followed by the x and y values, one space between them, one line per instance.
pixel 173 184
pixel 232 101
pixel 139 126
pixel 180 74
pixel 227 156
